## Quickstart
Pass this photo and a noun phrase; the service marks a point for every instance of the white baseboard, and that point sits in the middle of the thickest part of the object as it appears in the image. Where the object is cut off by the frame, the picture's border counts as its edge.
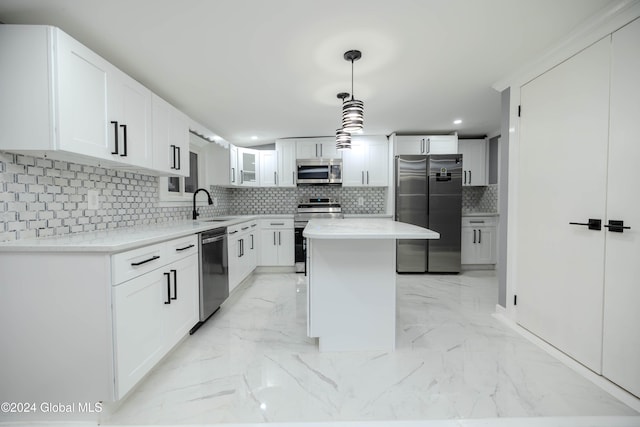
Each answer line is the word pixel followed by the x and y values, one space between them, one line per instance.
pixel 606 385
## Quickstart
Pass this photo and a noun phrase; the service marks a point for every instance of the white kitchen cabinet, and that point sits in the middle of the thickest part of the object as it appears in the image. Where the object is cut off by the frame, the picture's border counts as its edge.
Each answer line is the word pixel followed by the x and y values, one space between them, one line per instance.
pixel 286 151
pixel 479 240
pixel 234 177
pixel 277 242
pixel 311 148
pixel 155 309
pixel 248 167
pixel 426 144
pixel 474 162
pixel 243 251
pixel 129 114
pixel 366 164
pixel 170 138
pixel 63 87
pixel 268 168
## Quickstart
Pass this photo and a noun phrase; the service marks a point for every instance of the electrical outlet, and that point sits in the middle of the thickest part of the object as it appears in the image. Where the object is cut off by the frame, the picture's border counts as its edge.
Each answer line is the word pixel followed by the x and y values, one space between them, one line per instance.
pixel 93 200
pixel 215 202
pixel 360 201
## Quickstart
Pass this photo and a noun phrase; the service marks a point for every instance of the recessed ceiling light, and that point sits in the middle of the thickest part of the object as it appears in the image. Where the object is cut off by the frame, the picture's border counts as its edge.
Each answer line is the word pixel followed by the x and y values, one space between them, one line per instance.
pixel 457 121
pixel 254 137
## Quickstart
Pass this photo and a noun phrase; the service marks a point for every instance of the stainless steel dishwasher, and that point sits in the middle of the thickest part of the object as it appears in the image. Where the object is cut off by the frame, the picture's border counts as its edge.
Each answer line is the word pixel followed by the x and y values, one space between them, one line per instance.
pixel 214 273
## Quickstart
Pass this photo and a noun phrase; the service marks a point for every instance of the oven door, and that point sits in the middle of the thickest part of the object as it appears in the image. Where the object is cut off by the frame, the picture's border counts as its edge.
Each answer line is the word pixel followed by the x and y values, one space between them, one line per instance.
pixel 300 248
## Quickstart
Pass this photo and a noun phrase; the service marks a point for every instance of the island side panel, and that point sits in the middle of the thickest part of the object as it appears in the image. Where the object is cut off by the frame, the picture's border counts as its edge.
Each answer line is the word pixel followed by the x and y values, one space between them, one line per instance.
pixel 55 325
pixel 353 294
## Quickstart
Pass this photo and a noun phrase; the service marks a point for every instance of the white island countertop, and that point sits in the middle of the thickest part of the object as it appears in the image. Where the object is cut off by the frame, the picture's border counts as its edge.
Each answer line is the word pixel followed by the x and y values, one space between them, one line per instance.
pixel 365 228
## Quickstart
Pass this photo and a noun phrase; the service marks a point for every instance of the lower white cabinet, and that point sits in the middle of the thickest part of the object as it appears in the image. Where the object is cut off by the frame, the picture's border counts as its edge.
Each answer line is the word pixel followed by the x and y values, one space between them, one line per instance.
pixel 153 311
pixel 277 245
pixel 479 240
pixel 243 251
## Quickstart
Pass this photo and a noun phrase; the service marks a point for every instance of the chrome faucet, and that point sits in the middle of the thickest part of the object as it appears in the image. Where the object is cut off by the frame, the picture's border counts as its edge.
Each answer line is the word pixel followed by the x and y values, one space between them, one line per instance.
pixel 195 212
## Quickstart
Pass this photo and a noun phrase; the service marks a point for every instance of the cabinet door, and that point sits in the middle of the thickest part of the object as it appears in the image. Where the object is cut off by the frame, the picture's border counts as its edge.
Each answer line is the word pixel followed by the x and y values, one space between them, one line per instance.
pixel 234 178
pixel 248 166
pixel 621 346
pixel 441 144
pixel 410 144
pixel 474 161
pixel 328 148
pixel 286 163
pixel 268 168
pixel 468 246
pixel 564 130
pixel 183 311
pixel 354 165
pixel 139 343
pixel 235 265
pixel 82 100
pixel 286 247
pixel 485 245
pixel 306 149
pixel 170 138
pixel 129 119
pixel 269 247
pixel 378 163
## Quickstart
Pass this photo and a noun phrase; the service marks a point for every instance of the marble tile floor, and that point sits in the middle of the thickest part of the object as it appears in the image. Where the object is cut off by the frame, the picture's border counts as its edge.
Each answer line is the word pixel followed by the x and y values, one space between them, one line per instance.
pixel 454 364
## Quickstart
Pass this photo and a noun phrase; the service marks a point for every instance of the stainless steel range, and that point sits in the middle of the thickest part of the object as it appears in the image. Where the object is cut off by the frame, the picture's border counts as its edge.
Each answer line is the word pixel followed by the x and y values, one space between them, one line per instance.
pixel 310 209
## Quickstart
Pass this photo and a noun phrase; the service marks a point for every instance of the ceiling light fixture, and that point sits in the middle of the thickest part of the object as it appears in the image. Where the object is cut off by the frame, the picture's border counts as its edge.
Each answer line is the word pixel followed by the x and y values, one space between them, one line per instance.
pixel 343 138
pixel 457 121
pixel 353 109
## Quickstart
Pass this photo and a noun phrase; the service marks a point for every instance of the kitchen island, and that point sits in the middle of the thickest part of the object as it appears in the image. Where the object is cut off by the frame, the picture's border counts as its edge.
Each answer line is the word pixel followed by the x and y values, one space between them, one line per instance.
pixel 351 278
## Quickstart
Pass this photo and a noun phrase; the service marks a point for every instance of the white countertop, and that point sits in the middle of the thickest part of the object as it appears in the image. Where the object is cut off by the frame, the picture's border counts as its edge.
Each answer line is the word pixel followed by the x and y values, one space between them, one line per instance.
pixel 120 239
pixel 365 228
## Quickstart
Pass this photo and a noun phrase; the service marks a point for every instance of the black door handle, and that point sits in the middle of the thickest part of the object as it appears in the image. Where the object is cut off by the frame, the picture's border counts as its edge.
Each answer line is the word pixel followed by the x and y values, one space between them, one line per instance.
pixel 168 301
pixel 616 226
pixel 474 236
pixel 175 284
pixel 115 131
pixel 593 224
pixel 124 129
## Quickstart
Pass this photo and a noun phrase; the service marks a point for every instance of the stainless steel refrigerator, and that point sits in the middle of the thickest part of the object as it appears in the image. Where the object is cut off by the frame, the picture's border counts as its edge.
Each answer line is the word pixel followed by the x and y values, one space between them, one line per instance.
pixel 429 194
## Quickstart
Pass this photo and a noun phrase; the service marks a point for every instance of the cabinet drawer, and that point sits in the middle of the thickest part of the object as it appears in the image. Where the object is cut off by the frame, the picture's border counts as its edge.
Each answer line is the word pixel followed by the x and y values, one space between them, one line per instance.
pixel 276 223
pixel 479 221
pixel 180 248
pixel 127 265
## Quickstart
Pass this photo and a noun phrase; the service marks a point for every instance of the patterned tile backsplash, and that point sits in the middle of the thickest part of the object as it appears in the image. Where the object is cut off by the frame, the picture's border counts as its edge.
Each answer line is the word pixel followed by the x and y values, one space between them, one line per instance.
pixel 41 197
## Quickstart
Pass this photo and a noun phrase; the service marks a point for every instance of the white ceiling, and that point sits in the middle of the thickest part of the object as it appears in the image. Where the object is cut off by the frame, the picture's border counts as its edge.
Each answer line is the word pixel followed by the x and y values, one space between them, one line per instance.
pixel 272 68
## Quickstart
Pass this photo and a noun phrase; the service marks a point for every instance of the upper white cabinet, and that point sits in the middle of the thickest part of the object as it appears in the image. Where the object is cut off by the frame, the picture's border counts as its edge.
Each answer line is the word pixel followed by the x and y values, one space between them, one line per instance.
pixel 129 112
pixel 366 163
pixel 248 167
pixel 268 168
pixel 311 148
pixel 234 175
pixel 426 144
pixel 474 161
pixel 286 152
pixel 54 94
pixel 170 138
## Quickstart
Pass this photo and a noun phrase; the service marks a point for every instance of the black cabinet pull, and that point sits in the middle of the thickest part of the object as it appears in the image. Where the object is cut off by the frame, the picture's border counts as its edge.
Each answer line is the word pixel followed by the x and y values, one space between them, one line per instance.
pixel 175 284
pixel 173 154
pixel 474 236
pixel 115 130
pixel 124 128
pixel 178 158
pixel 153 258
pixel 279 239
pixel 168 301
pixel 245 228
pixel 251 241
pixel 184 249
pixel 593 224
pixel 616 226
pixel 465 177
pixel 469 177
pixel 274 238
pixel 479 236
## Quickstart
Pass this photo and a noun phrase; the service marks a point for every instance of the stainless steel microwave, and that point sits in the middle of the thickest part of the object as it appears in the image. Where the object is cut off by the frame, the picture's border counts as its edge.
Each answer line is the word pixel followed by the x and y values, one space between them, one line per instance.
pixel 319 171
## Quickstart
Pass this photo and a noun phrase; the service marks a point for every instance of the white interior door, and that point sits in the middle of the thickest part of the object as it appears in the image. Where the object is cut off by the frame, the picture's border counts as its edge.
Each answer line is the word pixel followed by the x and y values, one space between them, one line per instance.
pixel 621 346
pixel 562 179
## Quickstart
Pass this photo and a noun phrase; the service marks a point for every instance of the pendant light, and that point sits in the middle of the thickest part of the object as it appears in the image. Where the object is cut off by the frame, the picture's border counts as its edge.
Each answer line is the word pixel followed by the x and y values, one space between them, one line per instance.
pixel 343 138
pixel 353 109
